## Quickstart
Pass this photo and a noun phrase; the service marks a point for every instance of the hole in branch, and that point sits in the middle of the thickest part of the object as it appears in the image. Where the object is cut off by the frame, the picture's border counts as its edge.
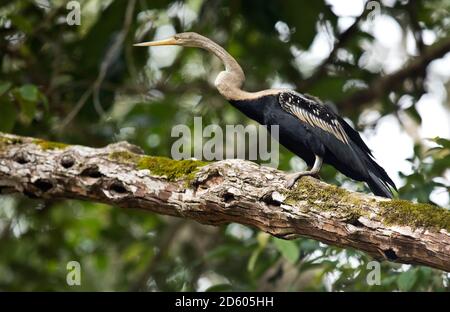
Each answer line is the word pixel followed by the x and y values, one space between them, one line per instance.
pixel 92 172
pixel 118 187
pixel 67 161
pixel 227 197
pixel 355 222
pixel 21 158
pixel 30 194
pixel 43 184
pixel 390 254
pixel 269 199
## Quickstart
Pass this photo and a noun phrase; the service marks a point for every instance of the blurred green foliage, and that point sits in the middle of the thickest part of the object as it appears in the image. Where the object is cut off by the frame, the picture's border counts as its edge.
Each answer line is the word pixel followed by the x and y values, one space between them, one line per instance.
pixel 88 85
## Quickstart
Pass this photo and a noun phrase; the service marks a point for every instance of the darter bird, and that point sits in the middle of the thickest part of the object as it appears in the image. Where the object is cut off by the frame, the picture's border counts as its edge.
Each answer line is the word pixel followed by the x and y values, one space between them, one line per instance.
pixel 307 127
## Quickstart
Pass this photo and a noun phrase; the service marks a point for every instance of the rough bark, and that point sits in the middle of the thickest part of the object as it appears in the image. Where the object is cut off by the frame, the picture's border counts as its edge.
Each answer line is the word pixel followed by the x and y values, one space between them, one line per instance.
pixel 227 191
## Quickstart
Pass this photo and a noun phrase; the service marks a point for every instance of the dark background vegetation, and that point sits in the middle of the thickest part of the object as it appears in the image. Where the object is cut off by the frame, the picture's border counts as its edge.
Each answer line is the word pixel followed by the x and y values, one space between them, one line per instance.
pixel 88 85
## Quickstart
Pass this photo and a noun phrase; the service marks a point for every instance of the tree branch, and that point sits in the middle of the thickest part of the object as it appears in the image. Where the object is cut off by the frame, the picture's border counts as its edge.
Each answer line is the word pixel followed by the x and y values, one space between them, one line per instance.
pixel 383 85
pixel 227 191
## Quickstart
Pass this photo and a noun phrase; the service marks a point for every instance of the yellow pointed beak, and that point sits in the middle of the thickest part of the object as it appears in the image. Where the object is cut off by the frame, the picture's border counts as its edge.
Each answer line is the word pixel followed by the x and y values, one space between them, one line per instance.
pixel 170 41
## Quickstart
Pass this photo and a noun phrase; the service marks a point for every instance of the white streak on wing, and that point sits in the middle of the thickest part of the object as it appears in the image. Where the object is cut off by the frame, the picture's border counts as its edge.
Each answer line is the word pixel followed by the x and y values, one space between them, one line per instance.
pixel 320 123
pixel 316 121
pixel 333 127
pixel 303 114
pixel 309 118
pixel 329 127
pixel 344 135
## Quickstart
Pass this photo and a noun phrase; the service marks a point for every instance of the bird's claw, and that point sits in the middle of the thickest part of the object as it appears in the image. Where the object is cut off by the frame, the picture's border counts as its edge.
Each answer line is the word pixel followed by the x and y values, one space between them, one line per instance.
pixel 292 178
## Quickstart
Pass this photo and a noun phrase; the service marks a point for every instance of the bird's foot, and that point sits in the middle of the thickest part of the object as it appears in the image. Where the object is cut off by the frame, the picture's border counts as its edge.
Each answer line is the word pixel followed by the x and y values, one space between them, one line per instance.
pixel 293 177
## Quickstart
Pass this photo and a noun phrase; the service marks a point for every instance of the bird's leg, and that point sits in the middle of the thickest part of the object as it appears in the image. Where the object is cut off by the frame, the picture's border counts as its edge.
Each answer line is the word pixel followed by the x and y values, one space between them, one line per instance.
pixel 292 178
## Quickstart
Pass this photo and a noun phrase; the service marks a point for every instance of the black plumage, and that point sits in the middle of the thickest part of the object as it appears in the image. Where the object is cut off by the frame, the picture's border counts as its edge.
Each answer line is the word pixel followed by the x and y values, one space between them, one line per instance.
pixel 307 128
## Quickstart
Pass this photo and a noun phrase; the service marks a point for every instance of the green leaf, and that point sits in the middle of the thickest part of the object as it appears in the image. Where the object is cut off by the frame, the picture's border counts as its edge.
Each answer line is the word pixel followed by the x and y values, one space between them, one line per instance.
pixel 27 112
pixel 329 88
pixel 412 111
pixel 44 101
pixel 8 115
pixel 253 258
pixel 406 280
pixel 219 287
pixel 289 249
pixel 263 239
pixel 29 93
pixel 441 141
pixel 4 86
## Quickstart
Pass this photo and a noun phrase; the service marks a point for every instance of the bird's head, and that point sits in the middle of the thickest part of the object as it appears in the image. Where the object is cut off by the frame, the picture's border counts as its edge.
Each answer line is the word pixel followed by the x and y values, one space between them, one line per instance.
pixel 228 82
pixel 186 39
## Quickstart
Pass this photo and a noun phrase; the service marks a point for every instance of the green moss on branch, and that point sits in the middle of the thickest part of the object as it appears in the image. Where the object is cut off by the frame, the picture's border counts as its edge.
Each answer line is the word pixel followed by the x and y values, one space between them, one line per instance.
pixel 350 206
pixel 48 145
pixel 9 141
pixel 125 156
pixel 327 198
pixel 403 212
pixel 161 166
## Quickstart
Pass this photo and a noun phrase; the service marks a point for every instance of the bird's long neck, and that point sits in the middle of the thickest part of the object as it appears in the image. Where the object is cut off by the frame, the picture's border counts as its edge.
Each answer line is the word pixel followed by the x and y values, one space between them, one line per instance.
pixel 230 81
pixel 232 67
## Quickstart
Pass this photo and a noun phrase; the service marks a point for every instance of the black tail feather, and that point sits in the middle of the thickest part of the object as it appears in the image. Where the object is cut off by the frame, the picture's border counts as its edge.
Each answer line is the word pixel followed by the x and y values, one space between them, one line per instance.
pixel 378 186
pixel 379 181
pixel 375 176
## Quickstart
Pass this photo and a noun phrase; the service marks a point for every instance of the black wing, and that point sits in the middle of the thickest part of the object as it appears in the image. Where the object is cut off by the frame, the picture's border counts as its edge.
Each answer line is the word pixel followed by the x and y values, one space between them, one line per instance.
pixel 353 156
pixel 313 113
